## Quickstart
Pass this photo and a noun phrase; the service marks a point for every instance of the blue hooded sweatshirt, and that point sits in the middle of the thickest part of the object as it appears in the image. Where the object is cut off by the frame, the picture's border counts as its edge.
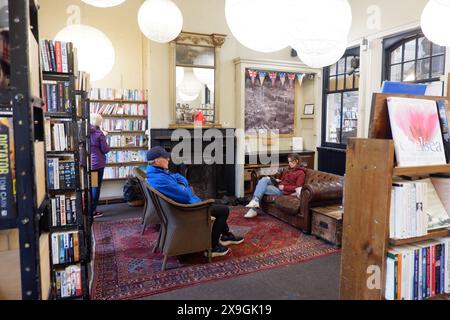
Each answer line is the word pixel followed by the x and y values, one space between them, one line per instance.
pixel 174 186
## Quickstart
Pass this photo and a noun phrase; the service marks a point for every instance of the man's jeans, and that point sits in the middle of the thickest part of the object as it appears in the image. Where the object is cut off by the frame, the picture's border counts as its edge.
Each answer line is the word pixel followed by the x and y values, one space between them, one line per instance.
pixel 266 187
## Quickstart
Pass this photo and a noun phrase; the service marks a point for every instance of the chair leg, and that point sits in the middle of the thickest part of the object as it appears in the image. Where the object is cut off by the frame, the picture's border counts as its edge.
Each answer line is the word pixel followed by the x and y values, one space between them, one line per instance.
pixel 210 255
pixel 164 263
pixel 158 242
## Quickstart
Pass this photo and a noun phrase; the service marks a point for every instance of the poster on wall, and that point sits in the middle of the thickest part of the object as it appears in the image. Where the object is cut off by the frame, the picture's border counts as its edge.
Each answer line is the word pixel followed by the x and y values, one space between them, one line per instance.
pixel 269 102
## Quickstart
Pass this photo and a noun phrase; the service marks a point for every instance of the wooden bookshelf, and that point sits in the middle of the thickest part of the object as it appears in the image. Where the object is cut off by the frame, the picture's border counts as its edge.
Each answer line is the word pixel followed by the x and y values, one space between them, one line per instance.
pixel 128 148
pixel 421 170
pixel 127 132
pixel 125 164
pixel 118 116
pixel 120 101
pixel 431 235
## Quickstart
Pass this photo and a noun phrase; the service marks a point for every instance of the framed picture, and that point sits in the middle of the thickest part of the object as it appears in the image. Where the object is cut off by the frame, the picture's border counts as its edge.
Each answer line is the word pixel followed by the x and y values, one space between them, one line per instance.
pixel 309 110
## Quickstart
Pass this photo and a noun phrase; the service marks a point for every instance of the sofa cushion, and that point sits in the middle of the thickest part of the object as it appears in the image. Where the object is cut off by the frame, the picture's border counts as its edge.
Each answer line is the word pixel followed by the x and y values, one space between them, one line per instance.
pixel 288 204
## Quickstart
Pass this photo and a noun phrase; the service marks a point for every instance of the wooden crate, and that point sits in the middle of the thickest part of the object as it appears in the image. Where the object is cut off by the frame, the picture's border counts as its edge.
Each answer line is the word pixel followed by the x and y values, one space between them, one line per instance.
pixel 327 224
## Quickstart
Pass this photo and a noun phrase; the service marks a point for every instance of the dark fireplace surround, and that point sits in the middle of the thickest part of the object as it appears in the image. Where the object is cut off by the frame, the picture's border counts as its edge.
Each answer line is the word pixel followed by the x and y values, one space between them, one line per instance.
pixel 209 181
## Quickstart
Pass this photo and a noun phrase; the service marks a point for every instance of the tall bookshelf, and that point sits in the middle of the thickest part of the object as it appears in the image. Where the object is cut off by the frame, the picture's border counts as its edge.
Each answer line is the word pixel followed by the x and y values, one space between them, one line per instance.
pixel 371 167
pixel 21 108
pixel 68 185
pixel 131 111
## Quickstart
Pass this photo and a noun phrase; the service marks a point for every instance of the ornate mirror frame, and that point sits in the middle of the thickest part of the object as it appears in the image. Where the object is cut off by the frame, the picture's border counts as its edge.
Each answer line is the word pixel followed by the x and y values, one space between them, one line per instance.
pixel 196 39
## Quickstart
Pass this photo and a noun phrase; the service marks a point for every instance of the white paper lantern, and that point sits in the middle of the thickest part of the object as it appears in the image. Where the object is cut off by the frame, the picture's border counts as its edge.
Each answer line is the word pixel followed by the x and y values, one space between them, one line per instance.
pixel 179 75
pixel 104 3
pixel 323 60
pixel 187 98
pixel 160 20
pixel 258 24
pixel 95 52
pixel 318 27
pixel 206 76
pixel 190 86
pixel 436 22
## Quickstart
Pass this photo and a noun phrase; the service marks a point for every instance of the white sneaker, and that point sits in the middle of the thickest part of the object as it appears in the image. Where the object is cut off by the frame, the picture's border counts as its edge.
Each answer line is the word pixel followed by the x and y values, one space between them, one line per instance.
pixel 251 214
pixel 253 204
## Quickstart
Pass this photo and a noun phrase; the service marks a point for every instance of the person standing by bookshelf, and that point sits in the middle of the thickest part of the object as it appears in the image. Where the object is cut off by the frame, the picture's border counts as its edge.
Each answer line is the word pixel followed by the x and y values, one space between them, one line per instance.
pixel 99 149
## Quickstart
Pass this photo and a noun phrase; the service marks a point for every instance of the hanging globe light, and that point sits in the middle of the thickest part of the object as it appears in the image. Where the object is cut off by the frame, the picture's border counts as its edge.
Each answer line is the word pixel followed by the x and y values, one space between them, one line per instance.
pixel 323 60
pixel 95 52
pixel 187 98
pixel 104 3
pixel 435 22
pixel 179 75
pixel 319 27
pixel 190 86
pixel 258 24
pixel 160 20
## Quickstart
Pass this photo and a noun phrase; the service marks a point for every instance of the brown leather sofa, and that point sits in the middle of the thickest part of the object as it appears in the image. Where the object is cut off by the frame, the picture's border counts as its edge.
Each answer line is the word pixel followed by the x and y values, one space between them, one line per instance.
pixel 320 189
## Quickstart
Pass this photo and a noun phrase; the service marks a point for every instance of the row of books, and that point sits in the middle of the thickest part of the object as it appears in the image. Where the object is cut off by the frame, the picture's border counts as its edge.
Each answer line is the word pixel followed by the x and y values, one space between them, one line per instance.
pixel 57 56
pixel 83 81
pixel 56 96
pixel 65 247
pixel 118 141
pixel 117 94
pixel 408 218
pixel 418 272
pixel 7 174
pixel 68 282
pixel 60 174
pixel 118 172
pixel 58 136
pixel 420 130
pixel 124 125
pixel 126 156
pixel 119 109
pixel 63 211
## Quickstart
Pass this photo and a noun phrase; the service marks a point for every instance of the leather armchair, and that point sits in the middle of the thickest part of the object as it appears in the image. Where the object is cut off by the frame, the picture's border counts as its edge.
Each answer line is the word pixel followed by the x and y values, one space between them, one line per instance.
pixel 150 215
pixel 320 189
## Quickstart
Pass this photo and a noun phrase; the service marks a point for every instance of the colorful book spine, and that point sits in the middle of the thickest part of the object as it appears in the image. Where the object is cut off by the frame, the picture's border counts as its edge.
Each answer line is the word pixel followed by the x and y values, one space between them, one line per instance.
pixel 443 120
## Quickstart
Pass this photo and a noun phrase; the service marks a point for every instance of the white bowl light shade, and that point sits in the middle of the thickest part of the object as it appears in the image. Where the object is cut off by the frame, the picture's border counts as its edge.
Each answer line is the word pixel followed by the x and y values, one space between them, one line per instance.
pixel 435 22
pixel 104 3
pixel 190 86
pixel 258 24
pixel 160 20
pixel 179 75
pixel 318 27
pixel 95 52
pixel 326 59
pixel 206 76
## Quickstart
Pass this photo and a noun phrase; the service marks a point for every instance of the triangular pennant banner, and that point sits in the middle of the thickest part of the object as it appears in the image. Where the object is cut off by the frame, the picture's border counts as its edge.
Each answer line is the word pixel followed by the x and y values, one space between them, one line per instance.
pixel 253 74
pixel 273 78
pixel 300 77
pixel 262 77
pixel 282 76
pixel 291 77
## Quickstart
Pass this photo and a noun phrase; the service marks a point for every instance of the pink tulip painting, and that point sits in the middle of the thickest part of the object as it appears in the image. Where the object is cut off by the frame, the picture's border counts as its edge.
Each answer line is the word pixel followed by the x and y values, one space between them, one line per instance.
pixel 419 126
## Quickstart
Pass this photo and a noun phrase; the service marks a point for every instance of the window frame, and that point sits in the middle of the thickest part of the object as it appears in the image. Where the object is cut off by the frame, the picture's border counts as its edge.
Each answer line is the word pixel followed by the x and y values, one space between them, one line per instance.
pixel 326 91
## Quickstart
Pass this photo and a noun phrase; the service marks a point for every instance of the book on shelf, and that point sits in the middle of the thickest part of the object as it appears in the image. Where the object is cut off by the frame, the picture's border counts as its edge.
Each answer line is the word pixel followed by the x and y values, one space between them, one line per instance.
pixel 118 172
pixel 124 125
pixel 118 94
pixel 60 174
pixel 68 282
pixel 126 156
pixel 7 170
pixel 58 136
pixel 57 56
pixel 418 272
pixel 83 81
pixel 115 109
pixel 63 211
pixel 65 247
pixel 443 121
pixel 416 132
pixel 118 141
pixel 56 96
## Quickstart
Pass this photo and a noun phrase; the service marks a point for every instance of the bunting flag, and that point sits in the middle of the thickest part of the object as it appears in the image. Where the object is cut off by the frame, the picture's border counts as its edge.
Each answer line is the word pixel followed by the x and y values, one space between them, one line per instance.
pixel 282 76
pixel 262 77
pixel 253 74
pixel 291 77
pixel 273 78
pixel 300 77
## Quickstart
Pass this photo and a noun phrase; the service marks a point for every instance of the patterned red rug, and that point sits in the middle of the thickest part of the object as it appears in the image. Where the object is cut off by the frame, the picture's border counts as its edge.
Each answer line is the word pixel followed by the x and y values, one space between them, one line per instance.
pixel 126 268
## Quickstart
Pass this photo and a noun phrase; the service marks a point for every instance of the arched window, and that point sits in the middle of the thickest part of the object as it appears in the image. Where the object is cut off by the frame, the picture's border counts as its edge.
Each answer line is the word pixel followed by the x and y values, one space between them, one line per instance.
pixel 341 96
pixel 413 58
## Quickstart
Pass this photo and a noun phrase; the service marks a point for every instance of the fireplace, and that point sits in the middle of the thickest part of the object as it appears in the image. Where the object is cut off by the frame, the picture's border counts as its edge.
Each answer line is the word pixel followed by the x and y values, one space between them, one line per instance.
pixel 209 181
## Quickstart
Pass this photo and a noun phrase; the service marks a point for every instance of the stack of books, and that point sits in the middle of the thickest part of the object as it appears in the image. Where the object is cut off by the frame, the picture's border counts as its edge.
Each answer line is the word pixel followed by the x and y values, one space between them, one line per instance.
pixel 63 211
pixel 65 247
pixel 68 282
pixel 57 56
pixel 61 174
pixel 56 96
pixel 58 137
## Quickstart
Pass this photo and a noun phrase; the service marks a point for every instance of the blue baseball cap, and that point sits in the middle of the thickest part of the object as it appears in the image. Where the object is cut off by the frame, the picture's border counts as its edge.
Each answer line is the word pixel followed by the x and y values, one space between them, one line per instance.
pixel 157 152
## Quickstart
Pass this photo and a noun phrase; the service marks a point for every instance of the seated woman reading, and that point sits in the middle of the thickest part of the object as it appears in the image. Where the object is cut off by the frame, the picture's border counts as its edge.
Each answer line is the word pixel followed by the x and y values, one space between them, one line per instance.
pixel 176 187
pixel 290 180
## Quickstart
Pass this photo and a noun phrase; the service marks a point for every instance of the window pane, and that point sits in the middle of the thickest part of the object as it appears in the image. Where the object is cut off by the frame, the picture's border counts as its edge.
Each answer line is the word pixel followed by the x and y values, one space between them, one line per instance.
pixel 409 71
pixel 397 55
pixel 333 118
pixel 332 84
pixel 356 80
pixel 438 49
pixel 349 63
pixel 340 82
pixel 423 69
pixel 410 50
pixel 437 66
pixel 341 66
pixel 333 70
pixel 424 48
pixel 350 125
pixel 349 82
pixel 396 73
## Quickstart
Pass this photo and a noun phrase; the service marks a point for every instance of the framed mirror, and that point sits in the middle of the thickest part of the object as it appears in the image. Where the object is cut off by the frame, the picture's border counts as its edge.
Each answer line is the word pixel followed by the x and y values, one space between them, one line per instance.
pixel 194 73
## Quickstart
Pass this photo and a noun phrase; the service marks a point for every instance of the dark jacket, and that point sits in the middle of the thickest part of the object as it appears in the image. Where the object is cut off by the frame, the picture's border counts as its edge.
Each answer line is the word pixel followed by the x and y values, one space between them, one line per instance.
pixel 174 186
pixel 292 179
pixel 99 148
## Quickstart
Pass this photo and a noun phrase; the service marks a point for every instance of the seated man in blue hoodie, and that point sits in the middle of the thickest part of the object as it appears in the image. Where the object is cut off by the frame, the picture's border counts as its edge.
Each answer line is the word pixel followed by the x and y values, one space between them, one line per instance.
pixel 176 187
